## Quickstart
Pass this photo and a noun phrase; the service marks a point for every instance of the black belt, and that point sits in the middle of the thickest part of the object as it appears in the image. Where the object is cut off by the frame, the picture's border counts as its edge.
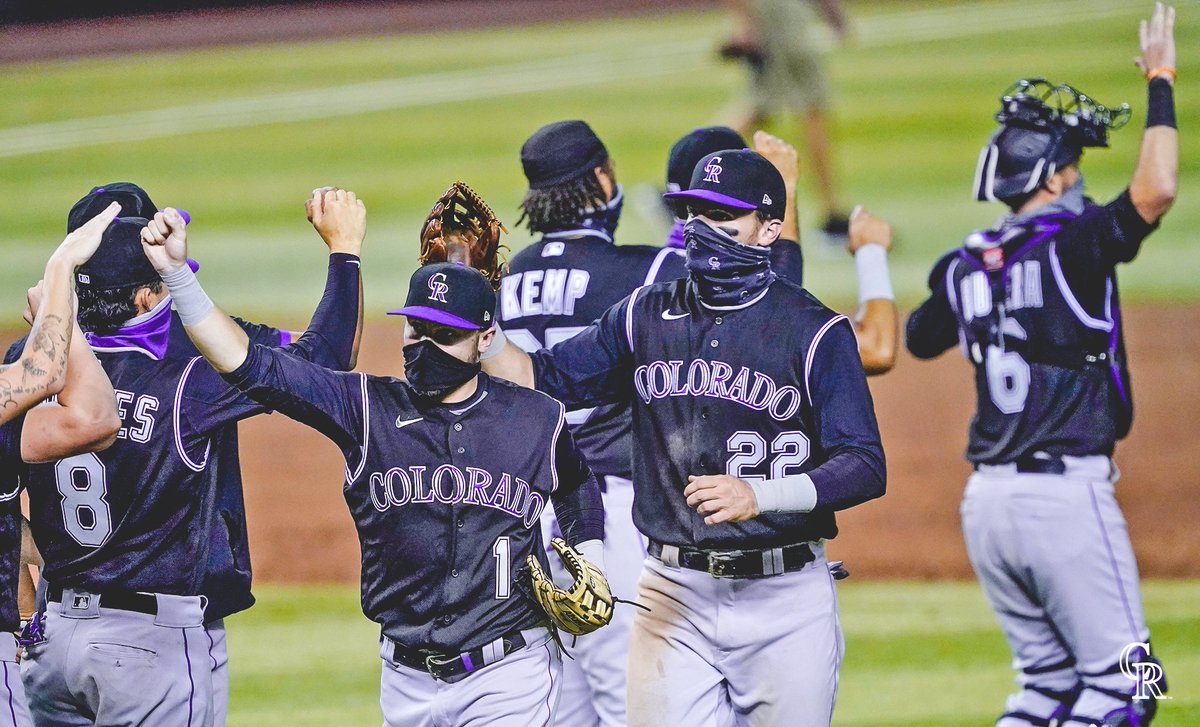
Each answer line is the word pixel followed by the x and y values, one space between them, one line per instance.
pixel 739 563
pixel 1031 465
pixel 121 600
pixel 452 667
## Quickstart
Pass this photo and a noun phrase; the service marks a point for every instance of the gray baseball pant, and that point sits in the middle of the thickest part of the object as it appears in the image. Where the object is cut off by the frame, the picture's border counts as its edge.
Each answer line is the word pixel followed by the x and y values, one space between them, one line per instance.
pixel 110 667
pixel 1052 553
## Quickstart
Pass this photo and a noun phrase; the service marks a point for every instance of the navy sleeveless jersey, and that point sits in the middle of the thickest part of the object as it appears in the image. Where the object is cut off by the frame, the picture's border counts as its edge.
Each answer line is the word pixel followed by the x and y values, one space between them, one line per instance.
pixel 559 286
pixel 228 583
pixel 10 525
pixel 765 390
pixel 445 498
pixel 141 515
pixel 1034 306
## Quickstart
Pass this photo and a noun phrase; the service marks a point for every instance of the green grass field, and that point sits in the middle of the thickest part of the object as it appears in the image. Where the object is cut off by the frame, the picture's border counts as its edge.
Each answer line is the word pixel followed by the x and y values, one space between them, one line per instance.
pixel 239 136
pixel 917 655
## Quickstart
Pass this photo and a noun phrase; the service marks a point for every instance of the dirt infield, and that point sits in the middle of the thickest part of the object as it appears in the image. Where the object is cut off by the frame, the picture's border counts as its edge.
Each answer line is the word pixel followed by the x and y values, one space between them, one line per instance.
pixel 300 529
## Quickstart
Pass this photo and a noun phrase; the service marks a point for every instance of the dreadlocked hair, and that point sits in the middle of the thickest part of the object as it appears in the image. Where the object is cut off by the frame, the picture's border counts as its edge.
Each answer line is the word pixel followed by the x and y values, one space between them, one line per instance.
pixel 563 205
pixel 103 311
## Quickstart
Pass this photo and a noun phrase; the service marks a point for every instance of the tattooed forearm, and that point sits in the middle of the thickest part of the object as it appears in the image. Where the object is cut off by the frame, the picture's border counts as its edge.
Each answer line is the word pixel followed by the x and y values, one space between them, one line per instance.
pixel 32 369
pixel 50 336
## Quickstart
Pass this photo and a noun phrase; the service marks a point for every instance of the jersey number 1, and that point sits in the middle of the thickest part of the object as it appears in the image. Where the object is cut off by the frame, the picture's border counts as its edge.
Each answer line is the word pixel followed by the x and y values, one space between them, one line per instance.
pixel 83 483
pixel 501 552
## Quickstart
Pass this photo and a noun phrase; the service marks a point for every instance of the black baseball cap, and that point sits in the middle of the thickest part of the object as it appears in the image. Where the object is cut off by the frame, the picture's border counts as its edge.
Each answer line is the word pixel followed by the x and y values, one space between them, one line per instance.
pixel 737 178
pixel 561 152
pixel 450 294
pixel 135 203
pixel 695 146
pixel 119 262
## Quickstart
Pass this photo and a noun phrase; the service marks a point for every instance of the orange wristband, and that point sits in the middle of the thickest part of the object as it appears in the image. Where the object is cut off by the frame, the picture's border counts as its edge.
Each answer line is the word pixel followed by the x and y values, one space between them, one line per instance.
pixel 1161 71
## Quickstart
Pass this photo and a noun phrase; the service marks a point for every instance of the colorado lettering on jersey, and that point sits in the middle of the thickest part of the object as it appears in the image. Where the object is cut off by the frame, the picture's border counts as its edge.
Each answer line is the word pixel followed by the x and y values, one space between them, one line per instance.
pixel 449 485
pixel 553 291
pixel 717 379
pixel 1024 290
pixel 144 406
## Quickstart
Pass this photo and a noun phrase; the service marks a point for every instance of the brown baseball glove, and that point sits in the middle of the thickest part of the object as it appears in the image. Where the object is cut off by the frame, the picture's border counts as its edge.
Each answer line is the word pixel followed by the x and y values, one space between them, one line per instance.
pixel 462 228
pixel 587 606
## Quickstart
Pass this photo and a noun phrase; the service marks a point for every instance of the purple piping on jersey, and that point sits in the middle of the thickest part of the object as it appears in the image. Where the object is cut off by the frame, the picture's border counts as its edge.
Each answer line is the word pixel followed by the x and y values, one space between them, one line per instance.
pixel 812 350
pixel 191 682
pixel 12 709
pixel 1114 369
pixel 1112 559
pixel 183 455
pixel 211 645
pixel 285 338
pixel 675 239
pixel 710 196
pixel 352 476
pixel 149 337
pixel 629 316
pixel 562 417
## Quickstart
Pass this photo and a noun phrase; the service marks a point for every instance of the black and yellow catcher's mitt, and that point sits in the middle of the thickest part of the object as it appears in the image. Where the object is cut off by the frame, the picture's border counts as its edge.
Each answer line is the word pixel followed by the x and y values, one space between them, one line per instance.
pixel 462 228
pixel 587 606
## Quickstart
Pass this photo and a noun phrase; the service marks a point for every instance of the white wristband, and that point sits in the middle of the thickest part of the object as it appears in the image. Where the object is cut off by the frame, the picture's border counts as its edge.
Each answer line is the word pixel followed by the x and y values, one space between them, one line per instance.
pixel 796 493
pixel 498 344
pixel 870 261
pixel 593 552
pixel 191 302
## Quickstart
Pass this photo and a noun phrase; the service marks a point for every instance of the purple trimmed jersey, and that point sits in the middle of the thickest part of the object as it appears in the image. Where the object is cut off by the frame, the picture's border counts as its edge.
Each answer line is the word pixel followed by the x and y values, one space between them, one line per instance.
pixel 557 287
pixel 710 398
pixel 141 515
pixel 1034 306
pixel 446 498
pixel 10 525
pixel 229 576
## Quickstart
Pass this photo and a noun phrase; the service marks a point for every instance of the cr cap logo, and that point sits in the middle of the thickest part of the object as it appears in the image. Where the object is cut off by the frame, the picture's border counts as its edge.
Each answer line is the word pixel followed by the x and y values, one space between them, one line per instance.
pixel 713 169
pixel 438 287
pixel 1145 672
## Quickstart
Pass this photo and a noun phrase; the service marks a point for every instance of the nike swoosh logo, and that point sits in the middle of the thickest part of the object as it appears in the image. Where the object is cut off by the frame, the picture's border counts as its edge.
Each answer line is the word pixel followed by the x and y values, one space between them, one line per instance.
pixel 669 316
pixel 401 423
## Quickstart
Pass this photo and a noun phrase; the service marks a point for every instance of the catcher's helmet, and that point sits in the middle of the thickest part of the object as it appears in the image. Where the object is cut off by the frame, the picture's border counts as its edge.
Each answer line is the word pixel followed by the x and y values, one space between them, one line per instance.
pixel 1043 128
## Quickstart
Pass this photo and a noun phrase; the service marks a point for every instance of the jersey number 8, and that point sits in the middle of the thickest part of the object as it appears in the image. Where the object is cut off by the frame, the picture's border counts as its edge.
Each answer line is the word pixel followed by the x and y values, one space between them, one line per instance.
pixel 83 483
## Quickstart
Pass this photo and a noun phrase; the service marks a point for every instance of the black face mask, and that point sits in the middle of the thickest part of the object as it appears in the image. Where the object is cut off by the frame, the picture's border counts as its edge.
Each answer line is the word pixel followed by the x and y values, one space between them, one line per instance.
pixel 725 273
pixel 432 372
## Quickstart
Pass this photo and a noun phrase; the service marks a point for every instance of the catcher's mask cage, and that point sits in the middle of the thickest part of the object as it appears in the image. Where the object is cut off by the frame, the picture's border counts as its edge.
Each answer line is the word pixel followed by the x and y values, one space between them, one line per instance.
pixel 1043 128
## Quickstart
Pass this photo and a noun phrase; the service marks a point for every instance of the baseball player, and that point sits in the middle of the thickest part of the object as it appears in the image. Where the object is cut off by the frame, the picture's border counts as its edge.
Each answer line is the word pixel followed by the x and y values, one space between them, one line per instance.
pixel 125 534
pixel 555 288
pixel 742 454
pixel 55 361
pixel 229 576
pixel 1033 303
pixel 876 323
pixel 446 477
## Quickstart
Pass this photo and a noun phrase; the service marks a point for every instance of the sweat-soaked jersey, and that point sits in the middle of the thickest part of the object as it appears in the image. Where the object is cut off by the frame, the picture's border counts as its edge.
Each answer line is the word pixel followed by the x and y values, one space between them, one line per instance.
pixel 1034 306
pixel 446 498
pixel 762 390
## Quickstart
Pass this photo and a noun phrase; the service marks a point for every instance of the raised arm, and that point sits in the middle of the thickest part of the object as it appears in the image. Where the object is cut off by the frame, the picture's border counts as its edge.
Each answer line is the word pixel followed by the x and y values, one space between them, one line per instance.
pixel 877 321
pixel 783 155
pixel 41 370
pixel 83 418
pixel 341 220
pixel 1156 176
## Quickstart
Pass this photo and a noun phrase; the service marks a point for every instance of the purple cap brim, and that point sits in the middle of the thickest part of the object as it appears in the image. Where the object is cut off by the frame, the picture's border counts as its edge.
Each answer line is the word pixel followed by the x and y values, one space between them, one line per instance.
pixel 195 266
pixel 435 316
pixel 710 196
